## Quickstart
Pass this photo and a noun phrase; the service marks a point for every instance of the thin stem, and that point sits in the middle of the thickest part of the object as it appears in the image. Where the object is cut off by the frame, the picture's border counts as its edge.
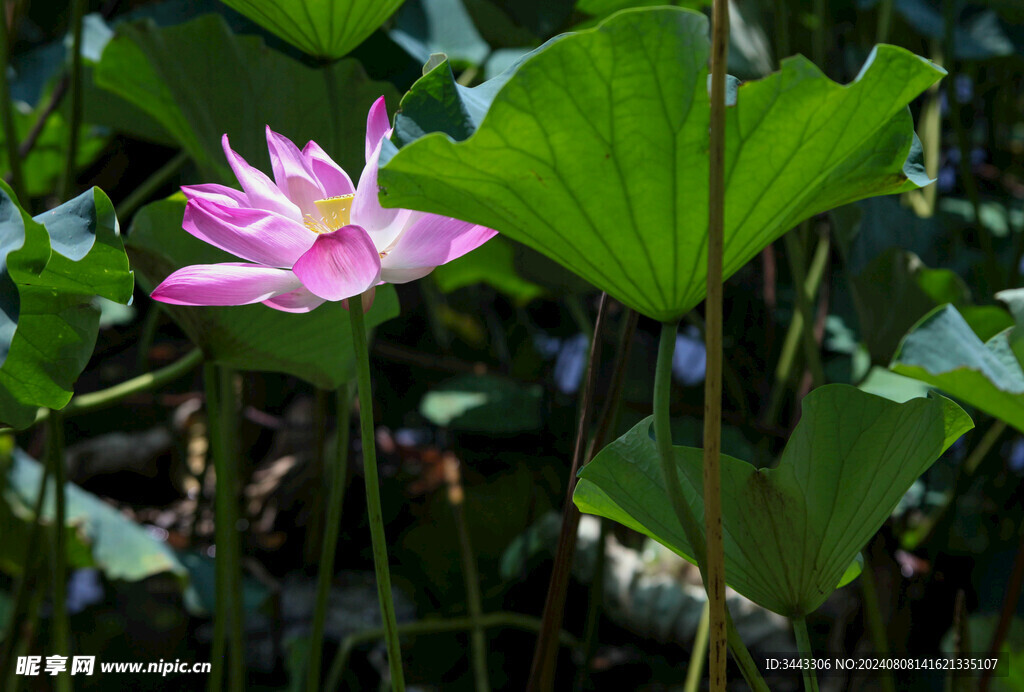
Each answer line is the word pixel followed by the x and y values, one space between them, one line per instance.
pixel 691 528
pixel 332 526
pixel 436 626
pixel 700 650
pixel 61 629
pixel 7 111
pixel 875 621
pixel 1007 611
pixel 803 645
pixel 812 354
pixel 373 505
pixel 884 21
pixel 478 640
pixel 228 617
pixel 993 269
pixel 150 185
pixel 787 357
pixel 715 576
pixel 542 670
pixel 84 403
pixel 75 98
pixel 31 560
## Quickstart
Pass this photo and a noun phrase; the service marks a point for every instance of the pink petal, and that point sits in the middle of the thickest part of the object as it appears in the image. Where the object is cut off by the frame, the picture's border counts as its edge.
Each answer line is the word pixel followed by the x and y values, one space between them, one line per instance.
pixel 294 177
pixel 261 191
pixel 333 179
pixel 219 194
pixel 377 126
pixel 299 300
pixel 252 234
pixel 366 209
pixel 340 264
pixel 232 283
pixel 430 241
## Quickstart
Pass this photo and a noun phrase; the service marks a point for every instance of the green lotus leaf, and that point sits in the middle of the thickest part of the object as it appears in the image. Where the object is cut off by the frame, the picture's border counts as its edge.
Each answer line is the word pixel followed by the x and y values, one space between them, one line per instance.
pixel 325 29
pixel 199 81
pixel 791 532
pixel 315 346
pixel 594 152
pixel 98 534
pixel 52 267
pixel 945 352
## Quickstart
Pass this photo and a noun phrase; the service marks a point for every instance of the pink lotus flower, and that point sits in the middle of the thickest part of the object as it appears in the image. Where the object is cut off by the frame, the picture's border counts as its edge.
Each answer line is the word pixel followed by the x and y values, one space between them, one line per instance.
pixel 309 235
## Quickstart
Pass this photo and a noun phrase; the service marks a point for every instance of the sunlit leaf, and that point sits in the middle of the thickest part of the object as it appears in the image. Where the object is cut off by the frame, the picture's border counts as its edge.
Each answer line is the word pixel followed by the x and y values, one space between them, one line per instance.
pixel 595 153
pixel 326 29
pixel 315 346
pixel 791 532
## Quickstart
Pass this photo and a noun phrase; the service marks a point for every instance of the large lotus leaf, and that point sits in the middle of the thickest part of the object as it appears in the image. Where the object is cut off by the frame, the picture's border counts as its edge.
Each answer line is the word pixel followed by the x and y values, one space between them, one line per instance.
pixel 945 352
pixel 51 269
pixel 315 346
pixel 199 81
pixel 595 153
pixel 325 29
pixel 98 534
pixel 791 532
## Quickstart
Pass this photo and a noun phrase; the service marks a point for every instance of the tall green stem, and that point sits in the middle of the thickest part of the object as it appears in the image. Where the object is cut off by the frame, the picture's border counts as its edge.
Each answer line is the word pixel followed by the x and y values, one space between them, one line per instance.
pixel 470 576
pixel 228 616
pixel 7 111
pixel 797 267
pixel 700 650
pixel 332 525
pixel 373 506
pixel 691 528
pixel 714 580
pixel 545 653
pixel 75 99
pixel 61 628
pixel 875 622
pixel 803 645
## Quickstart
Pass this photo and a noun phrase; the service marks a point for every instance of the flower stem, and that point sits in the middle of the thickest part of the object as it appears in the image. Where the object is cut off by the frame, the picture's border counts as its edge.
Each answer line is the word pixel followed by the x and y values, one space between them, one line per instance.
pixel 61 637
pixel 228 617
pixel 478 639
pixel 373 505
pixel 75 99
pixel 332 524
pixel 542 669
pixel 714 580
pixel 7 113
pixel 803 645
pixel 700 649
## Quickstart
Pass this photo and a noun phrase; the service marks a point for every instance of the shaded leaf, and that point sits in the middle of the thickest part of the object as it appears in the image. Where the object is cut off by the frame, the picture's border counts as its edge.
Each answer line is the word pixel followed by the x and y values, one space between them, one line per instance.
pixel 51 269
pixel 98 534
pixel 944 351
pixel 199 81
pixel 595 153
pixel 791 532
pixel 315 346
pixel 483 403
pixel 425 27
pixel 493 263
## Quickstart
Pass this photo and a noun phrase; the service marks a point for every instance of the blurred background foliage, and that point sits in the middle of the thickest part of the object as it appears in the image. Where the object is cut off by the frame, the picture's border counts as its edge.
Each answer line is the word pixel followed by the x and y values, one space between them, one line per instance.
pixel 486 359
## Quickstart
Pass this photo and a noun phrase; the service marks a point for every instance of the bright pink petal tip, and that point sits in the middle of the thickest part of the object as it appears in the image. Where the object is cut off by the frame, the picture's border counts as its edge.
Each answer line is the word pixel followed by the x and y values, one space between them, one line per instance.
pixel 377 126
pixel 260 190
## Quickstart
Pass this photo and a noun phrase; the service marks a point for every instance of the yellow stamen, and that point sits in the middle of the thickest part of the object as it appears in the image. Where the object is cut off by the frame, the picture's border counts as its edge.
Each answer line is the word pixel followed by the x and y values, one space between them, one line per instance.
pixel 335 212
